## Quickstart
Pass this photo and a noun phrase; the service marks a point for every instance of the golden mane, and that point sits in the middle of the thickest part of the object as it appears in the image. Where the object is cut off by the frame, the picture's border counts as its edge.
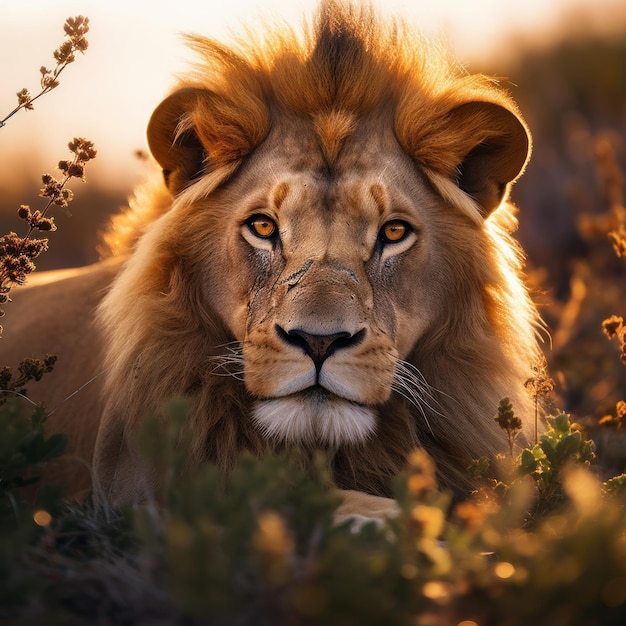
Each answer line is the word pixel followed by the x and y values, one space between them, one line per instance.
pixel 348 65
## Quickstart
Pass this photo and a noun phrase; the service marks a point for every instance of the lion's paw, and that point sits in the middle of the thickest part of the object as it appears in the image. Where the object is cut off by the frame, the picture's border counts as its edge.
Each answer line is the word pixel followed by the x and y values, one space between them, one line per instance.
pixel 361 508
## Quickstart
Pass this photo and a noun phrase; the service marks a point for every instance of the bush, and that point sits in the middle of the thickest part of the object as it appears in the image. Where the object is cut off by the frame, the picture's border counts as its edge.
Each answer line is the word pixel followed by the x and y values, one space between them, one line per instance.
pixel 260 546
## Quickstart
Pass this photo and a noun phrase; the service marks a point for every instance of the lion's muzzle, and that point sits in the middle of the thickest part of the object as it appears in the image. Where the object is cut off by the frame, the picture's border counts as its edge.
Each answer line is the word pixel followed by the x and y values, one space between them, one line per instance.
pixel 318 334
pixel 320 347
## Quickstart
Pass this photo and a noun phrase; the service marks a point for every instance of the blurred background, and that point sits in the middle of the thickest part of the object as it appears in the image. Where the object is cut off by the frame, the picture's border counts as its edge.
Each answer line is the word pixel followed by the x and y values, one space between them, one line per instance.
pixel 563 60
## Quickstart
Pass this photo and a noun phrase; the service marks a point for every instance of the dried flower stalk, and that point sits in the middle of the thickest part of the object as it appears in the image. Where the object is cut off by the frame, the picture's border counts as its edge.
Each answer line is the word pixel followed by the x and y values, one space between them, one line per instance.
pixel 508 422
pixel 17 253
pixel 75 30
pixel 538 386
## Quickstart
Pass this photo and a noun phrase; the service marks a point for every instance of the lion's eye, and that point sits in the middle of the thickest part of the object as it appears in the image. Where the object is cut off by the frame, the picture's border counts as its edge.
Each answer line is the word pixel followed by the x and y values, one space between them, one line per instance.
pixel 262 226
pixel 394 231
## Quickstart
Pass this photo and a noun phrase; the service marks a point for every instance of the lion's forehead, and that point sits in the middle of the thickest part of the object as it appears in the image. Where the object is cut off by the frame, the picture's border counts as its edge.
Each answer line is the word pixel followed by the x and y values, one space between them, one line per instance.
pixel 318 214
pixel 368 176
pixel 332 200
pixel 366 194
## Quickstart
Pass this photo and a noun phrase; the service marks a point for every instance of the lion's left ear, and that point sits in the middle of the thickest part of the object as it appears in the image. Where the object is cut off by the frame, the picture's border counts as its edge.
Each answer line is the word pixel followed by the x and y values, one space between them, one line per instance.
pixel 495 146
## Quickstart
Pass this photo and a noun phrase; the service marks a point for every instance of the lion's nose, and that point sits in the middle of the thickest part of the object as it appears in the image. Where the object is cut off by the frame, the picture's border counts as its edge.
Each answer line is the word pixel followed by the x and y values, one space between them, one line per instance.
pixel 319 347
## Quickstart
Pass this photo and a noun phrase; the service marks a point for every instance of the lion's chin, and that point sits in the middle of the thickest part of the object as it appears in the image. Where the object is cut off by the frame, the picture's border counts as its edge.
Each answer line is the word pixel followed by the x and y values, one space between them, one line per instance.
pixel 314 416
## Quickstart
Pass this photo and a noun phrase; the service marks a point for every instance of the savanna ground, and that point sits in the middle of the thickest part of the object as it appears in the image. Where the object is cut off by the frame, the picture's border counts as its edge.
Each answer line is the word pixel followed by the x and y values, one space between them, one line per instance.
pixel 546 546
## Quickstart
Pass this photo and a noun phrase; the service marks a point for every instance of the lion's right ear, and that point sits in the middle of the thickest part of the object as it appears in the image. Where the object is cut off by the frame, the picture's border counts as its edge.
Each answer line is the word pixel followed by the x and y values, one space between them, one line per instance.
pixel 194 131
pixel 173 140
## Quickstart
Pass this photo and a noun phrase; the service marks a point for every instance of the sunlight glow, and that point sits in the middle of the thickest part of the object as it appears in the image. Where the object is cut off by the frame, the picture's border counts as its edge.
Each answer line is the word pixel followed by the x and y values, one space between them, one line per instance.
pixel 135 51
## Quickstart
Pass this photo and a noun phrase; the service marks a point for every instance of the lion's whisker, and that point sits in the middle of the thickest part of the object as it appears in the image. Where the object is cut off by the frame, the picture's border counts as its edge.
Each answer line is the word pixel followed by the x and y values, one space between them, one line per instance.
pixel 17 394
pixel 75 392
pixel 409 395
pixel 232 346
pixel 414 372
pixel 411 384
pixel 230 363
pixel 226 366
pixel 422 397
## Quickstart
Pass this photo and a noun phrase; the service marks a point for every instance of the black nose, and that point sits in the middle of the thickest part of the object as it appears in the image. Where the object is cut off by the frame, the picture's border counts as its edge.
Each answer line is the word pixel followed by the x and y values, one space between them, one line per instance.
pixel 319 347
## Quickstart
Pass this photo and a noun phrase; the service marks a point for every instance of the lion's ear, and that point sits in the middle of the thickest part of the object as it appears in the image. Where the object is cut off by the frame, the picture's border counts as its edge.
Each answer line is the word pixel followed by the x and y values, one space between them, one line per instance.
pixel 495 145
pixel 173 141
pixel 195 130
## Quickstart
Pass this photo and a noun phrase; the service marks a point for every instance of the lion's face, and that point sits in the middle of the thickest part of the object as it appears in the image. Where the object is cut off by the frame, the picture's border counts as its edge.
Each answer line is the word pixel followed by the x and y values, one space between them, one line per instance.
pixel 331 278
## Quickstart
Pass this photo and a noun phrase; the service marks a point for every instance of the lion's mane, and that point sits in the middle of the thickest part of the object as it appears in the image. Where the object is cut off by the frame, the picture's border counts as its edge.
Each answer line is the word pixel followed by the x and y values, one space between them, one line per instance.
pixel 160 333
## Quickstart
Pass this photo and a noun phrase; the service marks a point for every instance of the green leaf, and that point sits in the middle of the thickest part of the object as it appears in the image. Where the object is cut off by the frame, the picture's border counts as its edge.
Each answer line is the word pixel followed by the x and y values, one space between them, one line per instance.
pixel 560 423
pixel 616 486
pixel 53 447
pixel 549 449
pixel 31 447
pixel 569 447
pixel 527 462
pixel 38 418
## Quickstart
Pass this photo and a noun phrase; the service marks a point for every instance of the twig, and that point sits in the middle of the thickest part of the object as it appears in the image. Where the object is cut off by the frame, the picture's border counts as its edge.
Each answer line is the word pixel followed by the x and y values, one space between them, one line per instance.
pixel 75 29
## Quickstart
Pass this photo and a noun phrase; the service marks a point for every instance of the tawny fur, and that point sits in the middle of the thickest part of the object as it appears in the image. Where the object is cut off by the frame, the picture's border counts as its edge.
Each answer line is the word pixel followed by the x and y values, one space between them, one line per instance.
pixel 157 329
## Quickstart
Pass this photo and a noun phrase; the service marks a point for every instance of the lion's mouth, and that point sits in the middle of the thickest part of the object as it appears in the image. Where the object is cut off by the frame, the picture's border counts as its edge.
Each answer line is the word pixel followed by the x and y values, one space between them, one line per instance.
pixel 314 415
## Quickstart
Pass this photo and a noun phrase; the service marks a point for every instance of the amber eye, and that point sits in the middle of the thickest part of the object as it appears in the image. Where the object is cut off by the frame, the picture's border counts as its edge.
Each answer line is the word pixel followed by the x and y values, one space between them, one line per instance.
pixel 394 231
pixel 262 226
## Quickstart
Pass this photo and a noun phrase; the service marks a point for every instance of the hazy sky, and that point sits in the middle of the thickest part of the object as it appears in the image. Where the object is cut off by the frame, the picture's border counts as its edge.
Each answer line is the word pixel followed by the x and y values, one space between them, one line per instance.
pixel 135 49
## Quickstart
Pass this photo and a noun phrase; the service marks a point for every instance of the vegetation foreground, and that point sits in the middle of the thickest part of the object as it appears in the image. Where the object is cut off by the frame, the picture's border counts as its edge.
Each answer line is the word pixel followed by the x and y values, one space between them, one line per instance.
pixel 547 547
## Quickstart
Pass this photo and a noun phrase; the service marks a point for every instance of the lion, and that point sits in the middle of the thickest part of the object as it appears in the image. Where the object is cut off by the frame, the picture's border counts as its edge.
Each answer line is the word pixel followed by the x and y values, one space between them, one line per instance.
pixel 325 261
